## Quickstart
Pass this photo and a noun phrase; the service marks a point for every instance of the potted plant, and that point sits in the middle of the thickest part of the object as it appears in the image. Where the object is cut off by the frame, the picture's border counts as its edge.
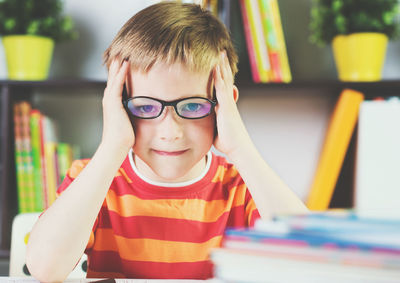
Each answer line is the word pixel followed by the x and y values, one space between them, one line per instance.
pixel 358 31
pixel 29 29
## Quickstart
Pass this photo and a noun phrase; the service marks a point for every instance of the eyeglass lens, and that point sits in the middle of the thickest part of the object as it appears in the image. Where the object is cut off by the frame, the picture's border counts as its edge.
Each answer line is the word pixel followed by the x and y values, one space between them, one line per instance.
pixel 143 107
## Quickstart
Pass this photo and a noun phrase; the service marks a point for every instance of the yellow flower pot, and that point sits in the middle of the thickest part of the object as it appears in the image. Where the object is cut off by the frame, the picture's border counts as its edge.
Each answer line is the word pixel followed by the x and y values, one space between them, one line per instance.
pixel 360 56
pixel 28 57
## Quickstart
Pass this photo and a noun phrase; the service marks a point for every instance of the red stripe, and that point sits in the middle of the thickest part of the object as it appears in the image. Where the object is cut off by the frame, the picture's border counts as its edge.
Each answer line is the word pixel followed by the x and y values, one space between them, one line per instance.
pixel 218 191
pixel 109 262
pixel 237 217
pixel 168 229
pixel 254 216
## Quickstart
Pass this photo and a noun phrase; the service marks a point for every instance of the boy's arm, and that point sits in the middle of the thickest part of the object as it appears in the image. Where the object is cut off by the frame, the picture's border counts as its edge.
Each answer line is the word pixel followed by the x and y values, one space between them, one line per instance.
pixel 271 195
pixel 61 234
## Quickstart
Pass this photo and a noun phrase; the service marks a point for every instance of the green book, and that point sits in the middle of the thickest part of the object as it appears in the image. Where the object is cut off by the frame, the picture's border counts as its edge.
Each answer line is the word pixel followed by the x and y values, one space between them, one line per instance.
pixel 37 159
pixel 64 154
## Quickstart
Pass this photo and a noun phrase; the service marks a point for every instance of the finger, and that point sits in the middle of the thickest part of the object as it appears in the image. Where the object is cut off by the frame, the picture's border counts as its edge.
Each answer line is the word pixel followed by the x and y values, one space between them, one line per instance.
pixel 220 88
pixel 226 68
pixel 120 79
pixel 112 70
pixel 220 63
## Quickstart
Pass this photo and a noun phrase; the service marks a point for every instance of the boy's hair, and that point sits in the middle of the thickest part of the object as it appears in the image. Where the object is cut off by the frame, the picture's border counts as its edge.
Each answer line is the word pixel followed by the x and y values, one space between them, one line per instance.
pixel 172 32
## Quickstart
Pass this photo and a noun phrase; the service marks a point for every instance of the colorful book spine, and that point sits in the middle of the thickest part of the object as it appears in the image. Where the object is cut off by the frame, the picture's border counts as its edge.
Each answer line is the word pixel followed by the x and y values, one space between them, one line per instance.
pixel 27 154
pixel 340 130
pixel 271 41
pixel 64 153
pixel 259 42
pixel 43 161
pixel 19 162
pixel 249 43
pixel 273 7
pixel 323 253
pixel 37 158
pixel 51 178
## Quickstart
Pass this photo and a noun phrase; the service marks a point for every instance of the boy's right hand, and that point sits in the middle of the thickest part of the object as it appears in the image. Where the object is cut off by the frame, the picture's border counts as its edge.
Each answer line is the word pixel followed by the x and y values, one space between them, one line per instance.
pixel 117 129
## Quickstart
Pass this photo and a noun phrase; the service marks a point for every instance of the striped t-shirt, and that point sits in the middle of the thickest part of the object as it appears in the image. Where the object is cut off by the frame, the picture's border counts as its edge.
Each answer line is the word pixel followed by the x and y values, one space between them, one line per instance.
pixel 148 230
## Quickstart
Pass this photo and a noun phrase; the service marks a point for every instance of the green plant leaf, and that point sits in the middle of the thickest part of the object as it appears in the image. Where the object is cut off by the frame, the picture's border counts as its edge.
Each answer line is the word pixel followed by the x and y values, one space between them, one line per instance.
pixel 329 18
pixel 36 17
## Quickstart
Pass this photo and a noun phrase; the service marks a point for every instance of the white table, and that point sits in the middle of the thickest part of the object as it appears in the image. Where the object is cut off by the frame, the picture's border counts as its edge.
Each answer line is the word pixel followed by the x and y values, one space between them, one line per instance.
pixel 30 280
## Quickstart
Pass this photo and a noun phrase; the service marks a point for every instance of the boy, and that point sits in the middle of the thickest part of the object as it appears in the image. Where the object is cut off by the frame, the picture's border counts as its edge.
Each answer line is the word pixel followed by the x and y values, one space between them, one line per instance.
pixel 153 200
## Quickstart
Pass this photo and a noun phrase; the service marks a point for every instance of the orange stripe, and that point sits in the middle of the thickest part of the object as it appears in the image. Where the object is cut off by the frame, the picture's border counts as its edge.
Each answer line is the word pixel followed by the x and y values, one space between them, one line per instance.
pixel 251 206
pixel 76 167
pixel 91 241
pixel 154 250
pixel 188 209
pixel 121 172
pixel 224 175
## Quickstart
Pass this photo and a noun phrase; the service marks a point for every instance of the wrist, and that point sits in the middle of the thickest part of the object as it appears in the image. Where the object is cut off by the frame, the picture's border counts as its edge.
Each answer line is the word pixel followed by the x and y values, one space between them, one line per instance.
pixel 117 150
pixel 245 149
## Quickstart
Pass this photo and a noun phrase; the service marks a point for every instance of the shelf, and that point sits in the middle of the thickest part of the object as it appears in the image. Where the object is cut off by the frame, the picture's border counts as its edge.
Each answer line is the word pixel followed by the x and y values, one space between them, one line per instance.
pixel 67 82
pixel 384 87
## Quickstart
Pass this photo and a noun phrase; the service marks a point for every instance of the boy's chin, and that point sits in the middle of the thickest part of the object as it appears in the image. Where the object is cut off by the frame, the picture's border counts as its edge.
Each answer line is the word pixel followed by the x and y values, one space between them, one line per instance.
pixel 171 175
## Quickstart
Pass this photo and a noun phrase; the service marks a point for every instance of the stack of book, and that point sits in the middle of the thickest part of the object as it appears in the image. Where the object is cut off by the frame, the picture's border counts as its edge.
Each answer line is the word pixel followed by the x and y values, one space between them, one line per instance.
pixel 317 247
pixel 265 41
pixel 41 161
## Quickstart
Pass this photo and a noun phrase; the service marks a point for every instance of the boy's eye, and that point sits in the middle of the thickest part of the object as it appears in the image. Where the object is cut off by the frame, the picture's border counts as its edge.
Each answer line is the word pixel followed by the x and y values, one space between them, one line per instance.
pixel 147 108
pixel 192 107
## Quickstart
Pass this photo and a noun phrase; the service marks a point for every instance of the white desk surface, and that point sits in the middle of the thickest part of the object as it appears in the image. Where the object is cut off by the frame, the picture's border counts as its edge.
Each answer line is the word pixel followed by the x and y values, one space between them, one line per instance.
pixel 30 280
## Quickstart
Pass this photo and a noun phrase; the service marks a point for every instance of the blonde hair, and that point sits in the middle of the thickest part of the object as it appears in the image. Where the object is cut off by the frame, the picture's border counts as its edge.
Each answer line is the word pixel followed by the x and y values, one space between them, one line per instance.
pixel 172 32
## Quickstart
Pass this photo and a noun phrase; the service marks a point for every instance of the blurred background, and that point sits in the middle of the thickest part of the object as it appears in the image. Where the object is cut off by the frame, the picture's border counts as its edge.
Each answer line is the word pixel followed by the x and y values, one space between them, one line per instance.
pixel 287 124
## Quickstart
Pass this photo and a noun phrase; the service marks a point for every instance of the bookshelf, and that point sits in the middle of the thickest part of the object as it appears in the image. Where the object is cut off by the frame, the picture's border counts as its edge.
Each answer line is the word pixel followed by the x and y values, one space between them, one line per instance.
pixel 12 91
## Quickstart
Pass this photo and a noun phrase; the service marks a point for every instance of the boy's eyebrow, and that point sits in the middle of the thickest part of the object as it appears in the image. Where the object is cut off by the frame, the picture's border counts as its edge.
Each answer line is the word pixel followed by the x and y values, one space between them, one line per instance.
pixel 206 95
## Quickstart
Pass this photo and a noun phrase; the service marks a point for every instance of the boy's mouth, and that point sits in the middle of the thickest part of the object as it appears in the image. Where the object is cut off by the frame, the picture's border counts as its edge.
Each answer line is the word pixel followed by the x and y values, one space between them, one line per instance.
pixel 170 153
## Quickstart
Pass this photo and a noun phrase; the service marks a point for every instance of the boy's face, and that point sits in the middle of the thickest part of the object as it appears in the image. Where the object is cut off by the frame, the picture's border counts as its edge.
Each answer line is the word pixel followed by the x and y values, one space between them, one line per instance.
pixel 170 148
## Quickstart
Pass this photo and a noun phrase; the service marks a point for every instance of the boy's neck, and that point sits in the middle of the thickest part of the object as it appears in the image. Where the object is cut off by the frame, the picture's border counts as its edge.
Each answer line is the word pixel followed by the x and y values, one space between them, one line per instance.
pixel 147 173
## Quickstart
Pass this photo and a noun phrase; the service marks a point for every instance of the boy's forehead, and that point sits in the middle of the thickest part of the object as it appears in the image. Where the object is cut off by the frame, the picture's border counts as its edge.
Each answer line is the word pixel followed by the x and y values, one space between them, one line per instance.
pixel 165 78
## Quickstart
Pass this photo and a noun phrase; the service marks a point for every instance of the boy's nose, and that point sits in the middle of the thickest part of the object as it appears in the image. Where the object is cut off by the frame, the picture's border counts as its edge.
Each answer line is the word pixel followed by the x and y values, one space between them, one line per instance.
pixel 170 126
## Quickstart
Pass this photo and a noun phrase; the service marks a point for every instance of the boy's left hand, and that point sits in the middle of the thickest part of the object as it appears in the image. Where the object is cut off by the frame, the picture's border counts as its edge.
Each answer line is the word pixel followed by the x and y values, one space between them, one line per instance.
pixel 232 134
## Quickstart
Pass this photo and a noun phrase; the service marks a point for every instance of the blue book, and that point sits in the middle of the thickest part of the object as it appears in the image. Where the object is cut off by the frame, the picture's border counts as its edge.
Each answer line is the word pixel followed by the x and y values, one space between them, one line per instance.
pixel 318 229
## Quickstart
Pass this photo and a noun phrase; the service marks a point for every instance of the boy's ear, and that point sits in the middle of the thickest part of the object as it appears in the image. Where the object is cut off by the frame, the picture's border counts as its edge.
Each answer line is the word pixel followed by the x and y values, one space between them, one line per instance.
pixel 235 93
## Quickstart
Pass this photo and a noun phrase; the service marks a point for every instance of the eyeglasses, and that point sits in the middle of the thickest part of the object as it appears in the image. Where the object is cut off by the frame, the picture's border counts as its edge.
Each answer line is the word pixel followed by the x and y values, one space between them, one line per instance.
pixel 144 107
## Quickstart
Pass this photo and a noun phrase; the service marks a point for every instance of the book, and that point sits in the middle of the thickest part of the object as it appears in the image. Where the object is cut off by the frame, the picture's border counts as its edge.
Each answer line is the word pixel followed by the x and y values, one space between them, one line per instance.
pixel 377 179
pixel 27 154
pixel 42 125
pixel 50 139
pixel 340 129
pixel 19 162
pixel 51 175
pixel 271 40
pixel 65 158
pixel 273 7
pixel 37 158
pixel 249 266
pixel 252 10
pixel 249 43
pixel 340 246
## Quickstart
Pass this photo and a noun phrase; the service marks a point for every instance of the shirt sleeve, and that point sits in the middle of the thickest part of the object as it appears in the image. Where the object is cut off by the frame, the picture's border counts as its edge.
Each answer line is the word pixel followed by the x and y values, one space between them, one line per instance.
pixel 73 172
pixel 251 210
